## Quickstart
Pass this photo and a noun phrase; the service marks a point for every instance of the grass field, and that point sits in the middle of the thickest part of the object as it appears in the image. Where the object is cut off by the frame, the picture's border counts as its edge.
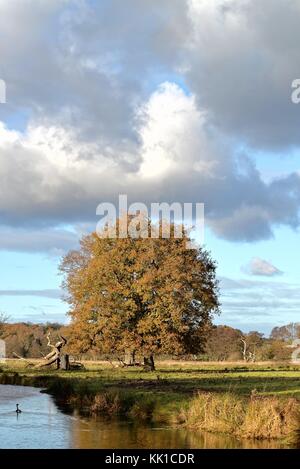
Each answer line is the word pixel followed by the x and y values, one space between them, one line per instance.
pixel 169 391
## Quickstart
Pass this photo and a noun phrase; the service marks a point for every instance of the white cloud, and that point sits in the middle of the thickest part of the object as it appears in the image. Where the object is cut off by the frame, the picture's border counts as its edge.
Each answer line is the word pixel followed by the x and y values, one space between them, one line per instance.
pixel 107 117
pixel 258 266
pixel 173 135
pixel 50 177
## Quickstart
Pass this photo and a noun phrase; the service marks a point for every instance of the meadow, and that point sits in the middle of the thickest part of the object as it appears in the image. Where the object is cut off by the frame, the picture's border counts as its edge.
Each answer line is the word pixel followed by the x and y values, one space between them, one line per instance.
pixel 260 400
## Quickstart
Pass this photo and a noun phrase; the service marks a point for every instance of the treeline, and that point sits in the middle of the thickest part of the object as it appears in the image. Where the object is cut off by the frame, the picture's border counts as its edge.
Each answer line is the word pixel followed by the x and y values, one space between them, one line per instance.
pixel 28 340
pixel 224 343
pixel 227 343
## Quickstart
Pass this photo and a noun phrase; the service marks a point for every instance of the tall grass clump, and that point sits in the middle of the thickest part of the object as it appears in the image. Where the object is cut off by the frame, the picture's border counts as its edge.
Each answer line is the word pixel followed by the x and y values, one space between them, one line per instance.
pixel 256 417
pixel 213 412
pixel 112 404
pixel 142 410
pixel 271 417
pixel 106 403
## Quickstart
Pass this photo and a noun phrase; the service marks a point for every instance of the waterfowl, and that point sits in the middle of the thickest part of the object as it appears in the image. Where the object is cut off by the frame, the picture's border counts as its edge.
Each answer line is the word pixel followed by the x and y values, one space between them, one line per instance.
pixel 17 409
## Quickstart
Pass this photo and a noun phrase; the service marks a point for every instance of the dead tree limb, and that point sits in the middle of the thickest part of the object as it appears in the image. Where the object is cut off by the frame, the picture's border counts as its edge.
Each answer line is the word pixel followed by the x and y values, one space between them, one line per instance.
pixel 52 357
pixel 125 365
pixel 28 364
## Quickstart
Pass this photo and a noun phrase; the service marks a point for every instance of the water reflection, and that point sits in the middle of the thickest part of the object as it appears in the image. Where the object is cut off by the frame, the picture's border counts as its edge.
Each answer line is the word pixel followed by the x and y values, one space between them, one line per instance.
pixel 42 425
pixel 101 433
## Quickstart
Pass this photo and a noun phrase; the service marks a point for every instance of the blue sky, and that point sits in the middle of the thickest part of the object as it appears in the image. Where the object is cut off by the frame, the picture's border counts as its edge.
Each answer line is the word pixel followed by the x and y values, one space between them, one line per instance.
pixel 39 273
pixel 123 100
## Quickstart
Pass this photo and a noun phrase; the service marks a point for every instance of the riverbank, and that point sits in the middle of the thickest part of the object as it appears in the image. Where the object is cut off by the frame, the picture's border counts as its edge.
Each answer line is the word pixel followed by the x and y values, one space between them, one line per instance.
pixel 250 401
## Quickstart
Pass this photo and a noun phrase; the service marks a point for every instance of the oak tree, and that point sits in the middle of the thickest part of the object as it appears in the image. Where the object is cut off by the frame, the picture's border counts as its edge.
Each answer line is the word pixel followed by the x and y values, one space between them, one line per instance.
pixel 145 295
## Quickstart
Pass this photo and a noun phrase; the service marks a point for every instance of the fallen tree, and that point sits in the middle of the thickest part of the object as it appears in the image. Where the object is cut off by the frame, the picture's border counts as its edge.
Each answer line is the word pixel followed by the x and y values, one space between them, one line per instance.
pixel 54 357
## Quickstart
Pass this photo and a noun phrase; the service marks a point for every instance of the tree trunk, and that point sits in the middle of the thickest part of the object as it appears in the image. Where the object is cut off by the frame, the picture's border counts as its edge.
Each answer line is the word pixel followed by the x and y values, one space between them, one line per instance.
pixel 130 357
pixel 244 351
pixel 149 363
pixel 65 362
pixel 54 356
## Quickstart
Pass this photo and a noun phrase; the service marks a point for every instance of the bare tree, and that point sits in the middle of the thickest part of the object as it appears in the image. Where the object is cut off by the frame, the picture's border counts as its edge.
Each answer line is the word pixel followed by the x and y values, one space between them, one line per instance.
pixel 4 318
pixel 55 355
pixel 52 357
pixel 251 342
pixel 244 350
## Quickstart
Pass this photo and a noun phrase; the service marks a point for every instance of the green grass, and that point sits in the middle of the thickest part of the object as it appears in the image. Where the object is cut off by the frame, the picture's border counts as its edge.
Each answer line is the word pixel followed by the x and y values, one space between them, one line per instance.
pixel 179 380
pixel 159 395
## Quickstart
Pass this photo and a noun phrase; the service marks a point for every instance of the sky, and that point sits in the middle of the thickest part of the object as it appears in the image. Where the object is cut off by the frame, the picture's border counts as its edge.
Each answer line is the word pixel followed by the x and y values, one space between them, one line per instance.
pixel 173 101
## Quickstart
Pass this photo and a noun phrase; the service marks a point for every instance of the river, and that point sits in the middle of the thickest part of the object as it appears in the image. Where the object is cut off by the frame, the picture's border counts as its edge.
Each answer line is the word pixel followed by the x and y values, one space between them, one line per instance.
pixel 43 425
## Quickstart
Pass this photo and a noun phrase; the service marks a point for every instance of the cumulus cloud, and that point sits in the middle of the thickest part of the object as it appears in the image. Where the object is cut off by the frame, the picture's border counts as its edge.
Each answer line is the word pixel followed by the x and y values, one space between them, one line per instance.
pixel 154 111
pixel 49 177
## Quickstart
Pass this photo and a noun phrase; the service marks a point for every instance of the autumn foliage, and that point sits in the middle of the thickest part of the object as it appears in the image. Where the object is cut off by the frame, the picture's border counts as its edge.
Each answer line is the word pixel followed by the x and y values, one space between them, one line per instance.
pixel 144 295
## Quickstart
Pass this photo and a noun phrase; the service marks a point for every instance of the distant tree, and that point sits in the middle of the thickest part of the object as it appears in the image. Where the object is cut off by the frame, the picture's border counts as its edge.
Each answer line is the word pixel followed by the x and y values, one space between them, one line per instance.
pixel 251 343
pixel 27 340
pixel 288 332
pixel 142 295
pixel 223 343
pixel 274 350
pixel 54 326
pixel 4 318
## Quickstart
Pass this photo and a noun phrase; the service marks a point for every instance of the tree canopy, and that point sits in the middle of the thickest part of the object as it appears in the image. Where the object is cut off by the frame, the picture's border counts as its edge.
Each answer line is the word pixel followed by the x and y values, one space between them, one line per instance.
pixel 224 343
pixel 288 332
pixel 146 295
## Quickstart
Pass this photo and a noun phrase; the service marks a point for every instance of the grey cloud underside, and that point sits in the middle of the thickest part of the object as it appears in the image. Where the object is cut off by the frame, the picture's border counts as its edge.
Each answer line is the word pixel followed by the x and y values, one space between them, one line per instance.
pixel 287 289
pixel 101 65
pixel 55 294
pixel 87 64
pixel 236 207
pixel 239 58
pixel 244 59
pixel 53 241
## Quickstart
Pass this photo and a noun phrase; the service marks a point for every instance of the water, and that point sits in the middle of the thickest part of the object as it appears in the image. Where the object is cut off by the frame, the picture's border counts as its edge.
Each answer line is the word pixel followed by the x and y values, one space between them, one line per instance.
pixel 40 425
pixel 43 425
